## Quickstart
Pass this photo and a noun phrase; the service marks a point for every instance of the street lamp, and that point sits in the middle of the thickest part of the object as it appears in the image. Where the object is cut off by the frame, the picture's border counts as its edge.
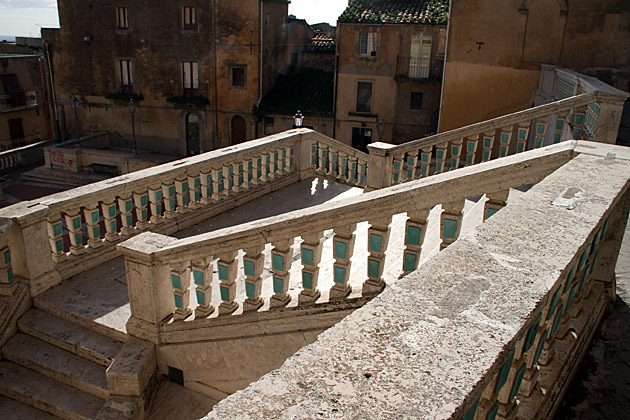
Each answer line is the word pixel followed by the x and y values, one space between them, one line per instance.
pixel 74 103
pixel 298 118
pixel 380 128
pixel 132 110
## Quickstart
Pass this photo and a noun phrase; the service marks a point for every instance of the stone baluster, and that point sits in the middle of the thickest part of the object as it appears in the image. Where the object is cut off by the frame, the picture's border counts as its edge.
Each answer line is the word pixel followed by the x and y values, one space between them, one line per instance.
pixel 125 204
pixel 194 194
pixel 451 222
pixel 73 222
pixel 541 130
pixel 314 155
pixel 92 217
pixel 180 280
pixel 265 167
pixel 155 200
pixel 334 162
pixel 415 229
pixel 111 225
pixel 253 265
pixel 505 138
pixel 311 253
pixel 553 314
pixel 287 157
pixel 456 150
pixel 277 163
pixel 343 166
pixel 182 192
pixel 353 168
pixel 378 239
pixel 412 161
pixel 487 143
pixel 362 172
pixel 522 136
pixel 228 271
pixel 237 176
pixel 343 247
pixel 397 164
pixel 531 351
pixel 579 117
pixel 561 119
pixel 55 236
pixel 228 181
pixel 496 201
pixel 7 285
pixel 471 149
pixel 291 158
pixel 281 258
pixel 141 201
pixel 323 158
pixel 248 175
pixel 202 277
pixel 170 201
pixel 217 183
pixel 440 157
pixel 425 160
pixel 506 395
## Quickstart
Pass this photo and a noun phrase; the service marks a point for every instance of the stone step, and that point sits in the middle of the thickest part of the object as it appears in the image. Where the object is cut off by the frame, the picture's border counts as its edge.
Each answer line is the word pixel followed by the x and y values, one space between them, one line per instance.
pixel 15 410
pixel 56 363
pixel 59 177
pixel 69 336
pixel 47 394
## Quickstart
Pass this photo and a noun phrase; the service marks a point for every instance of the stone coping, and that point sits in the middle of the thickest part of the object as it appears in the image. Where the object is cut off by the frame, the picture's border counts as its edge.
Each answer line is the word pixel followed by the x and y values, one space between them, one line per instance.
pixel 429 344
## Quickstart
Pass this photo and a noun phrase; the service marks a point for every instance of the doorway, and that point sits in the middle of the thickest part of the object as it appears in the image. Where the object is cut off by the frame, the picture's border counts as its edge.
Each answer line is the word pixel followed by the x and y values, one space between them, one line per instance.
pixel 238 130
pixel 192 134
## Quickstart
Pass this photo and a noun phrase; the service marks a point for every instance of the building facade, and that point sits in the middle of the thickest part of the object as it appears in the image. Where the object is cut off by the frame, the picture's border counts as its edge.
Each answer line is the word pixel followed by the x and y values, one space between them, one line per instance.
pixel 194 69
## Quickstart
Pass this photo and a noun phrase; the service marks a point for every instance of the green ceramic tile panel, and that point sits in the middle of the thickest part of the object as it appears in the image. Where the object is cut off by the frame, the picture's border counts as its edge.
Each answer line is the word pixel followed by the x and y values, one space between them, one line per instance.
pixel 520 147
pixel 113 226
pixel 208 179
pixel 556 321
pixel 223 272
pixel 593 265
pixel 249 176
pixel 171 191
pixel 277 285
pixel 144 200
pixel 292 151
pixel 176 281
pixel 230 171
pixel 554 303
pixel 454 163
pixel 449 228
pixel 225 293
pixel 539 141
pixel 10 273
pixel 197 182
pixel 583 282
pixel 334 157
pixel 158 209
pixel 57 229
pixel 96 231
pixel 486 155
pixel 78 238
pixel 259 161
pixel 487 142
pixel 158 195
pixel 201 298
pixel 220 187
pixel 185 187
pixel 522 133
pixel 76 222
pixel 7 256
pixel 559 124
pixel 178 301
pixel 94 215
pixel 492 414
pixel 313 149
pixel 517 382
pixel 197 196
pixel 583 259
pixel 439 166
pixel 250 290
pixel 275 156
pixel 410 173
pixel 249 268
pixel 469 159
pixel 59 245
pixel 605 226
pixel 340 274
pixel 410 162
pixel 471 146
pixel 198 277
pixel 531 334
pixel 307 256
pixel 373 266
pixel 409 263
pixel 230 184
pixel 413 235
pixel 128 205
pixel 470 414
pixel 112 211
pixel 129 220
pixel 576 133
pixel 439 154
pixel 220 176
pixel 503 150
pixel 541 346
pixel 556 138
pixel 540 128
pixel 425 157
pixel 454 150
pixel 598 236
pixel 579 119
pixel 173 204
pixel 277 262
pixel 490 212
pixel 567 284
pixel 396 164
pixel 396 177
pixel 505 138
pixel 504 372
pixel 340 249
pixel 307 280
pixel 571 297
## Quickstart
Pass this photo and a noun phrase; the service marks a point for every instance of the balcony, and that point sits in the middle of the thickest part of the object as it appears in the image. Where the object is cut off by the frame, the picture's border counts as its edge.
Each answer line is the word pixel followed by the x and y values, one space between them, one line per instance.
pixel 6 144
pixel 417 68
pixel 7 102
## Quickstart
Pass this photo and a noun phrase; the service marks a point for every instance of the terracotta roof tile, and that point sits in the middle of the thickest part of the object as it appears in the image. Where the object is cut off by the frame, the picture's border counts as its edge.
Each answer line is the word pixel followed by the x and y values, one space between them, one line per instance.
pixel 422 12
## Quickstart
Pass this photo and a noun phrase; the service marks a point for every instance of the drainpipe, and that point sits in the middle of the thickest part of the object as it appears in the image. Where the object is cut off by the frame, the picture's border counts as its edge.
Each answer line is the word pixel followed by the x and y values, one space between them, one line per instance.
pixel 52 91
pixel 44 104
pixel 214 58
pixel 448 28
pixel 336 81
pixel 261 11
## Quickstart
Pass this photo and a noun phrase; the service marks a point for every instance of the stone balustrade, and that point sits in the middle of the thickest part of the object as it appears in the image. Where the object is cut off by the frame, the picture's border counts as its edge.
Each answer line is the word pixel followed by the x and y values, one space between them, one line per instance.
pixel 338 162
pixel 493 327
pixel 162 271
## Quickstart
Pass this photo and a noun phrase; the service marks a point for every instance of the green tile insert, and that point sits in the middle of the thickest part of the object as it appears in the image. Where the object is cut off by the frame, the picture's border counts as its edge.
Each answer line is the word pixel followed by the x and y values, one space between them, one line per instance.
pixel 223 272
pixel 277 262
pixel 7 256
pixel 504 372
pixel 413 235
pixel 376 242
pixel 409 263
pixel 517 381
pixel 541 346
pixel 340 249
pixel 307 256
pixel 490 212
pixel 250 290
pixel 449 228
pixel 57 229
pixel 176 281
pixel 249 268
pixel 225 293
pixel 307 280
pixel 531 334
pixel 340 274
pixel 198 277
pixel 277 285
pixel 178 301
pixel 201 298
pixel 373 267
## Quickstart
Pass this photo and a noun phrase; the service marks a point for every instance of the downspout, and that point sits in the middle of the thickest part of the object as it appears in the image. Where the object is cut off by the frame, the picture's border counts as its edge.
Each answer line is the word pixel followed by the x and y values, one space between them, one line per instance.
pixel 448 32
pixel 260 62
pixel 44 104
pixel 336 82
pixel 53 92
pixel 214 58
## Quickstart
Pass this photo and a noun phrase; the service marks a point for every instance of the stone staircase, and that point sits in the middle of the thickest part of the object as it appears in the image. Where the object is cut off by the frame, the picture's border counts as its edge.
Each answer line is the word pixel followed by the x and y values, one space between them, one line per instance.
pixel 54 368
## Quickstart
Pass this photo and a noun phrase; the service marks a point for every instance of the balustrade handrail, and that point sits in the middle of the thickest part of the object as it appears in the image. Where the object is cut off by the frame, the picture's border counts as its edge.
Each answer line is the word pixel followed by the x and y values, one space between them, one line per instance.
pixel 341 147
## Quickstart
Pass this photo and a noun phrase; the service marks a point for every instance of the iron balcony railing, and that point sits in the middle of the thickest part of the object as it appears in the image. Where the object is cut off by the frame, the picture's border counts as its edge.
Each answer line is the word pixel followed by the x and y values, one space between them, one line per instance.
pixel 31 100
pixel 419 68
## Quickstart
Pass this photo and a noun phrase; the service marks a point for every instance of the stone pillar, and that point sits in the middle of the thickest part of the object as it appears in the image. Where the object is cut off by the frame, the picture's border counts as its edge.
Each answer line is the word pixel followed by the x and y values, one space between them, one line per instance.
pixel 111 225
pixel 126 208
pixel 456 150
pixel 609 116
pixel 253 262
pixel 378 239
pixel 451 222
pixel 227 267
pixel 141 200
pixel 496 201
pixel 73 222
pixel 379 166
pixel 92 215
pixel 155 198
pixel 505 138
pixel 281 258
pixel 440 157
pixel 202 277
pixel 180 280
pixel 415 229
pixel 311 253
pixel 170 200
pixel 343 247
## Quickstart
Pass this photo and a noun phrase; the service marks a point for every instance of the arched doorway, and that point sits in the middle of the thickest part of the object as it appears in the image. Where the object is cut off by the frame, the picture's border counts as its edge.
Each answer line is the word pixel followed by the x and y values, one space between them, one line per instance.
pixel 238 130
pixel 192 134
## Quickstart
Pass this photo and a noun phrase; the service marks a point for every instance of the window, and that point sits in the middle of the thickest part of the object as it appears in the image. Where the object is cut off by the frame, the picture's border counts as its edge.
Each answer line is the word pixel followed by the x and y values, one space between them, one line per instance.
pixel 125 72
pixel 416 100
pixel 364 97
pixel 367 43
pixel 269 123
pixel 190 78
pixel 238 77
pixel 361 137
pixel 420 55
pixel 188 18
pixel 121 18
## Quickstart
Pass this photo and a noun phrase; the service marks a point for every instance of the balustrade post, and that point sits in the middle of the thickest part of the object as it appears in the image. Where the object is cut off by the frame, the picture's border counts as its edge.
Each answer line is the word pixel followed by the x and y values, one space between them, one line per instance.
pixel 412 161
pixel 55 237
pixel 397 164
pixel 487 144
pixel 92 218
pixel 451 222
pixel 363 176
pixel 323 158
pixel 248 175
pixel 180 280
pixel 541 131
pixel 579 117
pixel 425 160
pixel 608 117
pixel 202 277
pixel 343 166
pixel 170 201
pixel 379 165
pixel 532 349
pixel 194 187
pixel 141 200
pixel 256 171
pixel 253 265
pixel 440 157
pixel 73 222
pixel 311 254
pixel 126 208
pixel 378 240
pixel 505 138
pixel 456 150
pixel 265 160
pixel 561 119
pixel 495 202
pixel 287 159
pixel 7 283
pixel 281 258
pixel 522 136
pixel 415 229
pixel 334 162
pixel 353 169
pixel 237 176
pixel 343 247
pixel 306 155
pixel 111 225
pixel 155 199
pixel 228 182
pixel 471 149
pixel 217 183
pixel 227 267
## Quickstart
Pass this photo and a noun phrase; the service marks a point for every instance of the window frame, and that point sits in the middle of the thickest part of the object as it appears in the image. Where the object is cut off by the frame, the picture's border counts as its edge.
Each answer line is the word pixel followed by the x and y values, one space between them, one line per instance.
pixel 367 39
pixel 189 20
pixel 231 78
pixel 124 70
pixel 190 85
pixel 367 107
pixel 122 21
pixel 411 101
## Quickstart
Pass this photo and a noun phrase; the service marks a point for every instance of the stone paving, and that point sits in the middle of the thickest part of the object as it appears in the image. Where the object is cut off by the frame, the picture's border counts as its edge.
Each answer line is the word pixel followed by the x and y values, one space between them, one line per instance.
pixel 601 387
